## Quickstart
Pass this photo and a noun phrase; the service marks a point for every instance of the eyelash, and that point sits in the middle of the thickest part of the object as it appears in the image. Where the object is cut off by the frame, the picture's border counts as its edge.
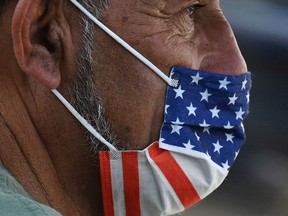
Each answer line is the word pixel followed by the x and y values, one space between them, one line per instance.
pixel 193 8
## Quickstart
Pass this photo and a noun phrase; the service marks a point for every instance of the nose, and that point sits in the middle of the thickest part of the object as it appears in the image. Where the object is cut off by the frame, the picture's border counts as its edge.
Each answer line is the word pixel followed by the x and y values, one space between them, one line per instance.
pixel 221 51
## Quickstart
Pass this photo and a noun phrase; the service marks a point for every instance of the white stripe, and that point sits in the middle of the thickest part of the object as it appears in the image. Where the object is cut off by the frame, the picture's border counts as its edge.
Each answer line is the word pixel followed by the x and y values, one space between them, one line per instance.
pixel 193 154
pixel 134 52
pixel 155 190
pixel 147 187
pixel 202 174
pixel 117 185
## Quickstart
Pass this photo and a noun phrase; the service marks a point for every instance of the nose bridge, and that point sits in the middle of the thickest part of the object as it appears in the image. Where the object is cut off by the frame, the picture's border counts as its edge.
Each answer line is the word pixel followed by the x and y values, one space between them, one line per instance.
pixel 222 53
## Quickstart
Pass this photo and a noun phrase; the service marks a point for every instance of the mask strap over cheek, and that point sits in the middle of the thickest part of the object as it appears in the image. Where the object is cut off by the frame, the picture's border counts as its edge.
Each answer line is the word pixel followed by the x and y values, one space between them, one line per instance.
pixel 134 52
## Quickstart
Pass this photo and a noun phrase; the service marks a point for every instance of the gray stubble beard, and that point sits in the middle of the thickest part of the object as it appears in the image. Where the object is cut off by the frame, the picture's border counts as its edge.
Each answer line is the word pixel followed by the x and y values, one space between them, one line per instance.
pixel 85 97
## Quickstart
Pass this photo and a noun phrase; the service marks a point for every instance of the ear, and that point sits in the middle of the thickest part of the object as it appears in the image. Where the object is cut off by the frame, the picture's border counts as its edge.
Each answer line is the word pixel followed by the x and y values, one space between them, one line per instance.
pixel 37 41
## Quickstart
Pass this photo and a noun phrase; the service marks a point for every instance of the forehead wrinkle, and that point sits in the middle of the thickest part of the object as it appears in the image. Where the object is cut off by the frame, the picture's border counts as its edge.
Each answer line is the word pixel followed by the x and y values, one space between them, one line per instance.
pixel 164 7
pixel 155 4
pixel 174 6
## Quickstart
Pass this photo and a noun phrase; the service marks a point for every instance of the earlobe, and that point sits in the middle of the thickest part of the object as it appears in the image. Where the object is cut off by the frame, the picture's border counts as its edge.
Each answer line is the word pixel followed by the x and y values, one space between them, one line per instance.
pixel 36 46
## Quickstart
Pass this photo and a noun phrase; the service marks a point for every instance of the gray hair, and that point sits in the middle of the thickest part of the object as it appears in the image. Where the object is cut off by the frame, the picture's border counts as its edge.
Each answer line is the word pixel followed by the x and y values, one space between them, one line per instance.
pixel 84 94
pixel 96 8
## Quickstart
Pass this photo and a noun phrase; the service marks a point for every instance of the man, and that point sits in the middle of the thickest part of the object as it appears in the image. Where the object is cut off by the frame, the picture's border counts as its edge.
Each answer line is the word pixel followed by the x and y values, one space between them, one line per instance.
pixel 51 44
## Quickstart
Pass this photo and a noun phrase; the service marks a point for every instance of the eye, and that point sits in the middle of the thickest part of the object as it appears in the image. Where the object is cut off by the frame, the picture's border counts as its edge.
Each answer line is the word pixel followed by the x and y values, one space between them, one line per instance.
pixel 194 7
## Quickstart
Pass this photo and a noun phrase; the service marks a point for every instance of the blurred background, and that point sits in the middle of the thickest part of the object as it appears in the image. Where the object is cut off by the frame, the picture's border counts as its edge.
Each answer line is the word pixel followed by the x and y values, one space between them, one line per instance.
pixel 258 183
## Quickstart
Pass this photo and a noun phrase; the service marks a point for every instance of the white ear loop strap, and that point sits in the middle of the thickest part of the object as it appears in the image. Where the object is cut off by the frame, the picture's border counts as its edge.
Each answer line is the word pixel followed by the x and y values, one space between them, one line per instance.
pixel 134 52
pixel 83 121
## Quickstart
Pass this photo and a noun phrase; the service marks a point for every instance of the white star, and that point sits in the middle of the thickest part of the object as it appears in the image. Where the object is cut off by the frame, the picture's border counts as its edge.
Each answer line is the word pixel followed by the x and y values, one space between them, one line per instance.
pixel 197 137
pixel 225 165
pixel 229 137
pixel 224 83
pixel 207 130
pixel 189 145
pixel 215 112
pixel 232 100
pixel 192 110
pixel 244 84
pixel 166 108
pixel 176 126
pixel 179 92
pixel 205 126
pixel 239 114
pixel 228 126
pixel 205 95
pixel 196 79
pixel 248 97
pixel 217 147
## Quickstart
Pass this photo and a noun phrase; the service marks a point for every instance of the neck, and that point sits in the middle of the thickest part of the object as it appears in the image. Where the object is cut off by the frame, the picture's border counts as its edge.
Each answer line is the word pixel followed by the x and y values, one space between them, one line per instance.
pixel 57 169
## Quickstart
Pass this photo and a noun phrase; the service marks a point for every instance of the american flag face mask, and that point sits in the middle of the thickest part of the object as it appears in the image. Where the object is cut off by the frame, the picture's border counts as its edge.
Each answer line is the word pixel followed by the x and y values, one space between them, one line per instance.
pixel 200 138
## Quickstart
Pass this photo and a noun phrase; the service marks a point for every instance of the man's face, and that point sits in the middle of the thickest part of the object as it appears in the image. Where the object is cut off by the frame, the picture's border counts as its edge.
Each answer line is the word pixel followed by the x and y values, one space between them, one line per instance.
pixel 168 34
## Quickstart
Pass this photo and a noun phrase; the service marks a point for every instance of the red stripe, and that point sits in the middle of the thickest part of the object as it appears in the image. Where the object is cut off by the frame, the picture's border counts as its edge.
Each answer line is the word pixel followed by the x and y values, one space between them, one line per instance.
pixel 106 182
pixel 131 183
pixel 175 175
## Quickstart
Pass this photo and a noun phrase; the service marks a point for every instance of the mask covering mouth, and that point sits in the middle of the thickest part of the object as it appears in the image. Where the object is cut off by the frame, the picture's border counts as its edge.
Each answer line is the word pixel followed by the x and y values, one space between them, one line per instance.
pixel 200 138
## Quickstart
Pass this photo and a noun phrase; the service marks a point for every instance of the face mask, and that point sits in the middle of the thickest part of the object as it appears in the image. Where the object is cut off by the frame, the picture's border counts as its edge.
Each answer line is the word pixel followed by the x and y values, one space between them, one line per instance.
pixel 200 138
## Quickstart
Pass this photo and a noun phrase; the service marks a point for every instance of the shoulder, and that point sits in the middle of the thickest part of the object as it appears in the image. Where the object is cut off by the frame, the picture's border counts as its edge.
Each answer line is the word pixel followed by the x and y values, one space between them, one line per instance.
pixel 14 200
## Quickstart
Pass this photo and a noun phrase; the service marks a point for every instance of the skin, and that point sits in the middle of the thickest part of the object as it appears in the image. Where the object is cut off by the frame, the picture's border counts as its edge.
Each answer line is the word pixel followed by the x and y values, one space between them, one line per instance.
pixel 41 144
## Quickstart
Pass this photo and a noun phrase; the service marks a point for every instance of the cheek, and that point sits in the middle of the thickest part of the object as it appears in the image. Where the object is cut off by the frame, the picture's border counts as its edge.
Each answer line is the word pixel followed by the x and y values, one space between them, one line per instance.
pixel 164 41
pixel 131 93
